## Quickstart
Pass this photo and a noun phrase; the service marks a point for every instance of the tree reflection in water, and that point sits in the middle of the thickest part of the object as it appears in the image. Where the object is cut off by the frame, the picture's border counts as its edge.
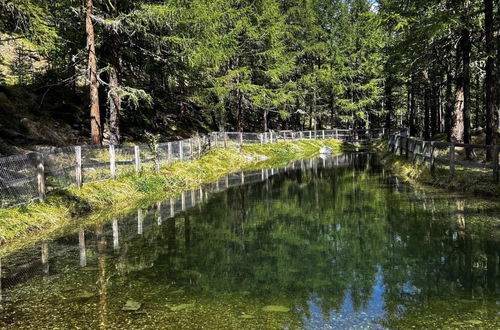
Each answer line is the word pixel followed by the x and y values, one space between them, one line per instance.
pixel 341 244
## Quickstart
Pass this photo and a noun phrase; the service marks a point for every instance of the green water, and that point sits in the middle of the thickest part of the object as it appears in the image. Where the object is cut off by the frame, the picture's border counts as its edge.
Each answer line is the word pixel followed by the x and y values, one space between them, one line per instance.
pixel 323 244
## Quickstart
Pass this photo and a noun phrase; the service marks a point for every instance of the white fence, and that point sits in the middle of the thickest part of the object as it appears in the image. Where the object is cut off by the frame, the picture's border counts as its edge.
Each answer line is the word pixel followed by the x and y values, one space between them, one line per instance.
pixel 29 177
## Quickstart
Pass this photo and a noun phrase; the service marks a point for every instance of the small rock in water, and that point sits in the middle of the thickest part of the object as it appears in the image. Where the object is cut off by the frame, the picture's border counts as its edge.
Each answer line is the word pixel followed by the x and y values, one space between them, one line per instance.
pixel 131 305
pixel 180 307
pixel 326 151
pixel 276 308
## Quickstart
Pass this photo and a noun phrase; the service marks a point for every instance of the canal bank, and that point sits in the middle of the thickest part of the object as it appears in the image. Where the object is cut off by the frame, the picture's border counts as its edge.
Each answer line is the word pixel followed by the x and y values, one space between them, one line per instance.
pixel 114 197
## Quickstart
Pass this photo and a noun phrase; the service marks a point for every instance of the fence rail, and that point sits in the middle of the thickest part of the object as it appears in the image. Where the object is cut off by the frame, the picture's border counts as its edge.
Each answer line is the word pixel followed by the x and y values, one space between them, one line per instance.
pixel 29 177
pixel 447 153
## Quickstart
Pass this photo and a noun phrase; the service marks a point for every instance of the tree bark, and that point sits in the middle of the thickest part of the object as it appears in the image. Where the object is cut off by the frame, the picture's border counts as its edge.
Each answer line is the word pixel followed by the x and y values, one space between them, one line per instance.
pixel 490 75
pixel 413 129
pixel 95 117
pixel 466 49
pixel 461 114
pixel 115 104
pixel 388 104
pixel 448 106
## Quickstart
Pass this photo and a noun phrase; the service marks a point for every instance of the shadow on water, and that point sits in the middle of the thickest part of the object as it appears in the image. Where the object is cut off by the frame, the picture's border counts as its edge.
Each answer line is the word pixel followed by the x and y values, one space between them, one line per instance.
pixel 333 242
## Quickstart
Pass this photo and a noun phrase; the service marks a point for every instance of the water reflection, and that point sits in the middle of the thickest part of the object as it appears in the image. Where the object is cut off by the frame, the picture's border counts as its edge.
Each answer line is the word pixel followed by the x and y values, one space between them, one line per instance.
pixel 336 240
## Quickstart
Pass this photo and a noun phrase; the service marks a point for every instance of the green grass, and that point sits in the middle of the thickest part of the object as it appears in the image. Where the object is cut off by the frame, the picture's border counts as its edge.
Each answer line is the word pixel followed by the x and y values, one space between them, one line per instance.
pixel 68 208
pixel 468 180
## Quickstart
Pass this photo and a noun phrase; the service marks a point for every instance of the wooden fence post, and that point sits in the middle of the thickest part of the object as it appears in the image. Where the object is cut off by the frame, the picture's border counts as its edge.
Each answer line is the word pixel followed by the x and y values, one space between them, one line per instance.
pixel 495 163
pixel 225 139
pixel 181 150
pixel 261 138
pixel 215 140
pixel 112 162
pixel 407 148
pixel 336 134
pixel 241 139
pixel 137 159
pixel 431 159
pixel 40 173
pixel 271 136
pixel 310 135
pixel 323 134
pixel 452 159
pixel 78 166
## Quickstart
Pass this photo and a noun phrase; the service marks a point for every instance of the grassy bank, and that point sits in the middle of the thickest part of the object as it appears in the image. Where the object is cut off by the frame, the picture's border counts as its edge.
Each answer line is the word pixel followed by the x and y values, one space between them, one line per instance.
pixel 471 181
pixel 66 208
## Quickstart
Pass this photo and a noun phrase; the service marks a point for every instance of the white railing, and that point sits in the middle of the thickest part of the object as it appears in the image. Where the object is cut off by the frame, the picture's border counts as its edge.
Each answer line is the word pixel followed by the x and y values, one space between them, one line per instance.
pixel 29 177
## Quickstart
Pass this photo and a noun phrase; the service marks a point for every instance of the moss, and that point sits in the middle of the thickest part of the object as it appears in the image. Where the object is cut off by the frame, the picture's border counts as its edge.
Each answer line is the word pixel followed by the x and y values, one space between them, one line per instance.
pixel 102 199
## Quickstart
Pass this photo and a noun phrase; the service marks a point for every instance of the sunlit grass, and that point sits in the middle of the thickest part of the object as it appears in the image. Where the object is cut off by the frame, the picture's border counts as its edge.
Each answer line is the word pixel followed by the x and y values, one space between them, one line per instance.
pixel 65 206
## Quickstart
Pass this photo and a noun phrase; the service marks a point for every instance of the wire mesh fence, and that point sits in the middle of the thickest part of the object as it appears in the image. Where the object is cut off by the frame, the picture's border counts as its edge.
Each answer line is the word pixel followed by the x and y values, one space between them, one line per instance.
pixel 26 178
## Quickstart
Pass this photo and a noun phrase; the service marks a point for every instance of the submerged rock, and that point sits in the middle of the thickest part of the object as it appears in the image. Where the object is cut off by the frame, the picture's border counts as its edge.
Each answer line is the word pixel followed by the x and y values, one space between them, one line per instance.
pixel 131 305
pixel 276 309
pixel 326 150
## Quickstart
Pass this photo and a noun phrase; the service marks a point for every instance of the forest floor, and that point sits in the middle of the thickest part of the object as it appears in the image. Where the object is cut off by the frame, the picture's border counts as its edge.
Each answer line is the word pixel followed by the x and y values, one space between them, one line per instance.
pixel 67 209
pixel 466 180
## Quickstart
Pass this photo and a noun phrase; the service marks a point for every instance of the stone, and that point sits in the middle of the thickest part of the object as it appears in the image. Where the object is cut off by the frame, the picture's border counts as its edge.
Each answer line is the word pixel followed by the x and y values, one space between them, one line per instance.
pixel 326 150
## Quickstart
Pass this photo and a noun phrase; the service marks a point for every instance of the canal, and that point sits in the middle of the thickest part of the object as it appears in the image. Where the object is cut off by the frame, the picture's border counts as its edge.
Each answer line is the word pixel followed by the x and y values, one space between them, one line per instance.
pixel 321 244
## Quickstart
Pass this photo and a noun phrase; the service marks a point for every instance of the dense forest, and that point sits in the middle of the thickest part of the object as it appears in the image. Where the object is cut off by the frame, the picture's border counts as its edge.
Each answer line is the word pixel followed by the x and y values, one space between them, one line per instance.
pixel 107 71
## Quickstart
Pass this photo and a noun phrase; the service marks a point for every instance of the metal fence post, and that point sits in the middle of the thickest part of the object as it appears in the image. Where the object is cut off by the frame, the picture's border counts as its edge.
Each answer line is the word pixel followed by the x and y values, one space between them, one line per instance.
pixel 191 148
pixel 78 166
pixel 261 138
pixel 199 146
pixel 181 150
pixel 452 159
pixel 225 139
pixel 112 161
pixel 323 134
pixel 40 173
pixel 241 139
pixel 137 159
pixel 157 158
pixel 169 153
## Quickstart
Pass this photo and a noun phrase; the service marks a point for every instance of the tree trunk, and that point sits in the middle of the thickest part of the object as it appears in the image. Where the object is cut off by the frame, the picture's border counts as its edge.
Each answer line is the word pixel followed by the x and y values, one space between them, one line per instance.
pixel 490 75
pixel 115 104
pixel 448 106
pixel 388 104
pixel 461 115
pixel 466 49
pixel 95 116
pixel 427 110
pixel 413 129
